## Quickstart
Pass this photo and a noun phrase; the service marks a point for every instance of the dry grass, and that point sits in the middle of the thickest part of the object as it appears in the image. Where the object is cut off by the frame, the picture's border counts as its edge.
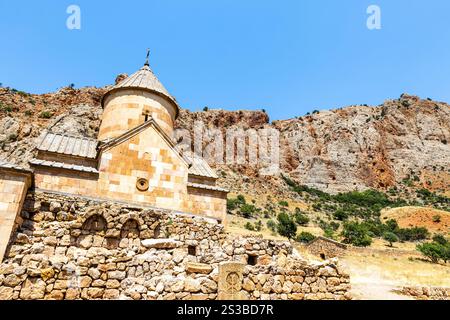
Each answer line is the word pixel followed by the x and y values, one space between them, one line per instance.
pixel 395 267
pixel 419 217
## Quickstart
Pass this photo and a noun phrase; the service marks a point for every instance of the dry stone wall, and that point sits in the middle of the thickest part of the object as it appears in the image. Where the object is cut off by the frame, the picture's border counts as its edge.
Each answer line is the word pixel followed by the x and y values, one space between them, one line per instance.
pixel 78 248
pixel 427 293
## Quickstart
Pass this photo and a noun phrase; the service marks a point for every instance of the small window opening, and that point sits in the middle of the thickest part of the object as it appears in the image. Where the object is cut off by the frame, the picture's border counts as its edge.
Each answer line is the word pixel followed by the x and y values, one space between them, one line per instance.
pixel 252 260
pixel 146 117
pixel 192 250
pixel 322 256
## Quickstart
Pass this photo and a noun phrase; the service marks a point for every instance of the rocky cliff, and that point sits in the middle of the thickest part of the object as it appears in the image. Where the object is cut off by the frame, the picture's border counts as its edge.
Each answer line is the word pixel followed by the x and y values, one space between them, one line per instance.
pixel 356 147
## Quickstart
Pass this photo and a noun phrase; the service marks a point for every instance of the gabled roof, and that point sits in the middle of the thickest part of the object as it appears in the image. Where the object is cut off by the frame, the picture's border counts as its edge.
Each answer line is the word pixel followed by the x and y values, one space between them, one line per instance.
pixel 320 238
pixel 207 187
pixel 144 79
pixel 68 145
pixel 62 165
pixel 14 167
pixel 199 166
pixel 89 148
pixel 130 133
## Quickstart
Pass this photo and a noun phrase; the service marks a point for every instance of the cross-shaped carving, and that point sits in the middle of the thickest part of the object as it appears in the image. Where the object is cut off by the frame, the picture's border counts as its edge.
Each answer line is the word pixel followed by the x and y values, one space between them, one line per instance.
pixel 146 113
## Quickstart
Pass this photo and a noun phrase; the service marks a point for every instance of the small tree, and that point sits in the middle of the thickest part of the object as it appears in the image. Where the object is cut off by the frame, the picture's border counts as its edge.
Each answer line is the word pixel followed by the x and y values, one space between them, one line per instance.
pixel 439 238
pixel 390 237
pixel 286 226
pixel 356 234
pixel 205 109
pixel 301 218
pixel 432 250
pixel 247 210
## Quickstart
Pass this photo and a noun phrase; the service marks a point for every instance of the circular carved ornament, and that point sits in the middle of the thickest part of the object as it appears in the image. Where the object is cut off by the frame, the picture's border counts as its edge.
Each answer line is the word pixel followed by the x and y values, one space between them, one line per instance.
pixel 142 184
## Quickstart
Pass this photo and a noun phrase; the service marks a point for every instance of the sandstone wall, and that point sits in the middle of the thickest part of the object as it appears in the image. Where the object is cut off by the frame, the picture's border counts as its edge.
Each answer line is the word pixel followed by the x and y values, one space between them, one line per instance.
pixel 13 188
pixel 125 109
pixel 75 248
pixel 143 156
pixel 326 248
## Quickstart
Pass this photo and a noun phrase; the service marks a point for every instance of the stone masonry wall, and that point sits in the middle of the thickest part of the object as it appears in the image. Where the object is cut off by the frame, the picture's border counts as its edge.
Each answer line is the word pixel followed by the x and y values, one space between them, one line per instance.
pixel 13 188
pixel 427 293
pixel 77 248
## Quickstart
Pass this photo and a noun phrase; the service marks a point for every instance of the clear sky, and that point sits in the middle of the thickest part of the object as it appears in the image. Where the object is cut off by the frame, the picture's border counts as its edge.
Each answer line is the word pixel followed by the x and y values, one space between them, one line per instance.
pixel 288 57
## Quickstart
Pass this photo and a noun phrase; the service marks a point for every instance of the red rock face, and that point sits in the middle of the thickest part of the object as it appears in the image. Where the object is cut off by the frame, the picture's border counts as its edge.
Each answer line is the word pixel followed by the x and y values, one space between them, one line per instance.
pixel 357 147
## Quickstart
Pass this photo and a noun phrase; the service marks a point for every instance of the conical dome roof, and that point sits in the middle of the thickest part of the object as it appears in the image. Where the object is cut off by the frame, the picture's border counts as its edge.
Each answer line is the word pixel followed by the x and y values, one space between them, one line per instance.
pixel 145 79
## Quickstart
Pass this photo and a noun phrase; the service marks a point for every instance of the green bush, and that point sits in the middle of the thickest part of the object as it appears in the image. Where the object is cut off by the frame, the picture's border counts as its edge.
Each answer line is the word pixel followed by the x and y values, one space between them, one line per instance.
pixel 258 225
pixel 305 237
pixel 390 237
pixel 232 204
pixel 283 203
pixel 241 199
pixel 340 215
pixel 301 218
pixel 286 226
pixel 271 225
pixel 249 226
pixel 356 234
pixel 413 234
pixel 439 238
pixel 432 250
pixel 46 115
pixel 247 210
pixel 437 218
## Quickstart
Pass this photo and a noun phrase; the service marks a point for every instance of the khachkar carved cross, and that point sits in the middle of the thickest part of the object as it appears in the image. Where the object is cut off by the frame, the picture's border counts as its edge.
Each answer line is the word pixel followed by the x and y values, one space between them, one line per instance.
pixel 230 281
pixel 233 283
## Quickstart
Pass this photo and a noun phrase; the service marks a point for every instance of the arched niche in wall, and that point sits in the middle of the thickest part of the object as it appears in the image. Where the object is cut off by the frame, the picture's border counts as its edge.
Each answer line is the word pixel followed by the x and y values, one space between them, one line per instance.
pixel 130 229
pixel 95 224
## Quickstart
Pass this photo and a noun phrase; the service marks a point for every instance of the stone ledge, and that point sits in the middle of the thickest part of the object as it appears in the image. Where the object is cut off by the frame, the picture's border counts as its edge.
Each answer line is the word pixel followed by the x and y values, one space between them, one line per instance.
pixel 161 243
pixel 192 267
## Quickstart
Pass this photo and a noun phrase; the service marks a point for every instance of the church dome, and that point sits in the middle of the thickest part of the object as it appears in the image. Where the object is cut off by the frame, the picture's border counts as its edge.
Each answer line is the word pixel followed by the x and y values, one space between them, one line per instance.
pixel 143 79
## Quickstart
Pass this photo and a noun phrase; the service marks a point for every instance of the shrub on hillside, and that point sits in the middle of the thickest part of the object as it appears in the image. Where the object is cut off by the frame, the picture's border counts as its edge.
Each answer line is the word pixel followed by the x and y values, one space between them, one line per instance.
pixel 283 203
pixel 433 251
pixel 356 234
pixel 271 225
pixel 249 226
pixel 247 210
pixel 340 215
pixel 300 217
pixel 390 237
pixel 439 238
pixel 286 226
pixel 305 237
pixel 413 234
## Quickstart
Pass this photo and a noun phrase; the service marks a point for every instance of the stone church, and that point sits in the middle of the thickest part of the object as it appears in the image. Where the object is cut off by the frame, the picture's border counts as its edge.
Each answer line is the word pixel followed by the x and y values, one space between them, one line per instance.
pixel 134 160
pixel 128 216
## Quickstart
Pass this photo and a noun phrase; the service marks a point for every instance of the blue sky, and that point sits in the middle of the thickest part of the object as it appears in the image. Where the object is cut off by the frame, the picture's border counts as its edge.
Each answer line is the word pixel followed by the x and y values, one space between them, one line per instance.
pixel 288 57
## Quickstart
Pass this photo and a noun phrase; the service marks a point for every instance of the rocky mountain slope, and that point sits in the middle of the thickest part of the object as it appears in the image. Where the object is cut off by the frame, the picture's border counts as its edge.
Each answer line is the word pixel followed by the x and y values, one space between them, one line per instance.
pixel 357 147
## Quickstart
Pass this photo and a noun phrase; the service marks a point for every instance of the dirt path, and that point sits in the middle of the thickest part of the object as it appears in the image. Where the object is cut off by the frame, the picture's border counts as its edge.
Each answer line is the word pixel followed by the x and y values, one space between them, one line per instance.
pixel 368 284
pixel 375 291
